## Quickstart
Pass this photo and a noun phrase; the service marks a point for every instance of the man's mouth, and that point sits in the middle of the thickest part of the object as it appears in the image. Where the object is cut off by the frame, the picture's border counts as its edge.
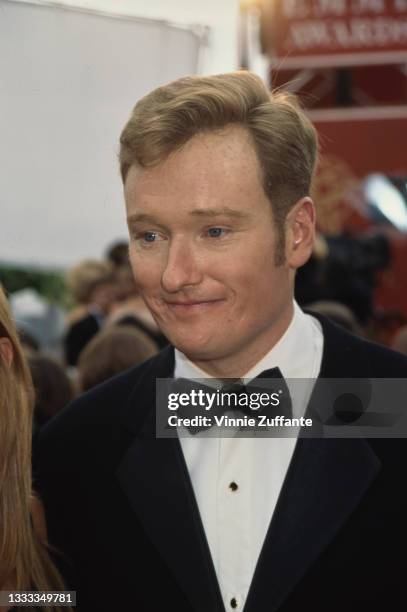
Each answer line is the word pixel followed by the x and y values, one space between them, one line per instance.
pixel 191 305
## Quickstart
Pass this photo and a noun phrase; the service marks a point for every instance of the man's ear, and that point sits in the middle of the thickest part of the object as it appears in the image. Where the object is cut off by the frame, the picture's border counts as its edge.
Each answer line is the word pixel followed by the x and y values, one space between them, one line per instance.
pixel 300 234
pixel 6 351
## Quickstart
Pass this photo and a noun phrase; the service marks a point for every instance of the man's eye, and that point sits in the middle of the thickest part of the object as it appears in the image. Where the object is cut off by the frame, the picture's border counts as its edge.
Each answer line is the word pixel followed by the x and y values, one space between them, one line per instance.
pixel 216 232
pixel 149 236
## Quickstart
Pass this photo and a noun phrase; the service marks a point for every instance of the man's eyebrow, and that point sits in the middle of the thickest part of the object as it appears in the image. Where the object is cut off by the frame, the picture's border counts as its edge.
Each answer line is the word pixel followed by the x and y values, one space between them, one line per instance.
pixel 225 211
pixel 140 218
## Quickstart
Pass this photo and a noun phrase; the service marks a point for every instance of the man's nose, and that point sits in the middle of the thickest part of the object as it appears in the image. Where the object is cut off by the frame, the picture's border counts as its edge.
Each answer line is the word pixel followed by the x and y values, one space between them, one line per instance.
pixel 182 267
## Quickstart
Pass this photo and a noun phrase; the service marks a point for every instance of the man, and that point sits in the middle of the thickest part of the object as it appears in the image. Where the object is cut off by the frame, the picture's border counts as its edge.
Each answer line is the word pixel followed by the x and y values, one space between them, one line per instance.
pixel 216 177
pixel 92 284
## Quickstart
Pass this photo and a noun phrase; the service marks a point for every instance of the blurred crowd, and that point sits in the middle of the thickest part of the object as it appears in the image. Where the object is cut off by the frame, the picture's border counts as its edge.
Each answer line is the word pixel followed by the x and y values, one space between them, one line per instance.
pixel 109 329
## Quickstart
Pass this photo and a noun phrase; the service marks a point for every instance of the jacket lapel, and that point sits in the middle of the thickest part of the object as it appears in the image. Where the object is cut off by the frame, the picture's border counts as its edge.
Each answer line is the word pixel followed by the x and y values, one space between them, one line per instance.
pixel 325 483
pixel 317 497
pixel 155 479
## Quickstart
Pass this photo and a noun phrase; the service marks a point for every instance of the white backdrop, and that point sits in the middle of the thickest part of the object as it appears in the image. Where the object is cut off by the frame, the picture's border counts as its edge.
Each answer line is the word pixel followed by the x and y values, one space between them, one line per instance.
pixel 222 17
pixel 68 81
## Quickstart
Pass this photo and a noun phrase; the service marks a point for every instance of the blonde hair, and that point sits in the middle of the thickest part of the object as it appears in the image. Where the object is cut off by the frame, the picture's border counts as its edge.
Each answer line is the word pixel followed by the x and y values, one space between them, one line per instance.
pixel 283 137
pixel 24 560
pixel 83 278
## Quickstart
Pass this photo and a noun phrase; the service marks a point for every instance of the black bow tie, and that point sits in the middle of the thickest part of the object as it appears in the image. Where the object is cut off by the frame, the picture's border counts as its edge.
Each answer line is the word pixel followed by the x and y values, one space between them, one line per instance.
pixel 236 397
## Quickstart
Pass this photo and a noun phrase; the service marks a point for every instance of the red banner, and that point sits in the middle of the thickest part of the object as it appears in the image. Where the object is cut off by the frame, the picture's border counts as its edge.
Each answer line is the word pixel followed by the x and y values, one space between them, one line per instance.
pixel 312 33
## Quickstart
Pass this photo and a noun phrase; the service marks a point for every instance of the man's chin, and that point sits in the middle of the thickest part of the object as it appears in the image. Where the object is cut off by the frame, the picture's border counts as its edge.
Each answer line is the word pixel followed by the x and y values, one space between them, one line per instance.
pixel 198 350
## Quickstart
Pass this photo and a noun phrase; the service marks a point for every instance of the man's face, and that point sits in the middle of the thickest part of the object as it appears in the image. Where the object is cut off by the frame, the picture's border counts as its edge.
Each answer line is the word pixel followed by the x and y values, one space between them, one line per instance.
pixel 202 244
pixel 103 296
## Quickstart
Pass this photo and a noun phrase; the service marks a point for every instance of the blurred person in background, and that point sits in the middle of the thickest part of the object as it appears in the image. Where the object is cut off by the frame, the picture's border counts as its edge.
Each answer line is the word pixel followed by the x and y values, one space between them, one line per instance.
pixel 338 313
pixel 112 351
pixel 53 388
pixel 400 340
pixel 29 344
pixel 24 560
pixel 130 309
pixel 92 286
pixel 384 326
pixel 118 254
pixel 344 269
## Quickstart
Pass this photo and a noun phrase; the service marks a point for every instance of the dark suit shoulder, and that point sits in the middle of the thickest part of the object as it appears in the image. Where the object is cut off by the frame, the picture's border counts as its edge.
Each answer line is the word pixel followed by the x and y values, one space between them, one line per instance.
pixel 348 356
pixel 92 434
pixel 384 362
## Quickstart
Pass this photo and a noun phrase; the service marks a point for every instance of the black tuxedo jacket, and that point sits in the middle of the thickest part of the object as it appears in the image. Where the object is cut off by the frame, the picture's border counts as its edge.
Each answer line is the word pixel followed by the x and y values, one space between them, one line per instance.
pixel 121 509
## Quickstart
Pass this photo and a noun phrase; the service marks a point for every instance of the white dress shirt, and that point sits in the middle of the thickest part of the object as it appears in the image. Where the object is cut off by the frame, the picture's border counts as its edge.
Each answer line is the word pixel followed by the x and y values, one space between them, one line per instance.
pixel 237 481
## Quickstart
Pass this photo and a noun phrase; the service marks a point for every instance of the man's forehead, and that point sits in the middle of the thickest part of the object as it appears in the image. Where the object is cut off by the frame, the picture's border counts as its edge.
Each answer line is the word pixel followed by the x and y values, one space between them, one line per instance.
pixel 207 163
